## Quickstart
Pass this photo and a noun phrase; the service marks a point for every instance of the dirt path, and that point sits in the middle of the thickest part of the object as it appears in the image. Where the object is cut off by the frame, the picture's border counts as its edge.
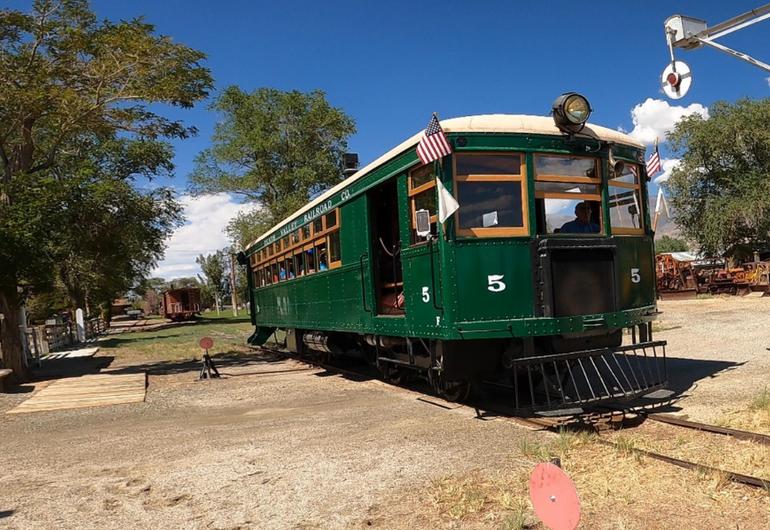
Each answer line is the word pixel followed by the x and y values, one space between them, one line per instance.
pixel 278 445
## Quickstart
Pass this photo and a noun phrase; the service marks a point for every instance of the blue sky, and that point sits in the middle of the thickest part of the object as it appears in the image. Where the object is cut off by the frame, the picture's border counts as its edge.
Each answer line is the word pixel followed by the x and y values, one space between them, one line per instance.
pixel 390 64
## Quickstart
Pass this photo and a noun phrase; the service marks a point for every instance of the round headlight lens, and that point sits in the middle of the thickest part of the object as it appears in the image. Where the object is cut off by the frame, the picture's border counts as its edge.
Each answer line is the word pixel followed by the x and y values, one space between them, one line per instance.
pixel 576 109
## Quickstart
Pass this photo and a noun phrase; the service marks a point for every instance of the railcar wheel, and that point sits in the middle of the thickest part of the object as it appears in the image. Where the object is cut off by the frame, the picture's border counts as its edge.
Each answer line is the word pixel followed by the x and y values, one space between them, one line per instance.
pixel 396 375
pixel 452 391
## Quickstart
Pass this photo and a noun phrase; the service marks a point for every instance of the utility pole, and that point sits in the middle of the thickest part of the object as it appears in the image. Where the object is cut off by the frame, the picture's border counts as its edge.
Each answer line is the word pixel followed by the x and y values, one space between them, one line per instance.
pixel 233 290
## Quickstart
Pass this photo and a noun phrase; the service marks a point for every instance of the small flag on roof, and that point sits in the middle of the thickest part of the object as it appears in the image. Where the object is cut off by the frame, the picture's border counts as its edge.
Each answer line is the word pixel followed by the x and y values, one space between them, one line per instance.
pixel 653 164
pixel 434 144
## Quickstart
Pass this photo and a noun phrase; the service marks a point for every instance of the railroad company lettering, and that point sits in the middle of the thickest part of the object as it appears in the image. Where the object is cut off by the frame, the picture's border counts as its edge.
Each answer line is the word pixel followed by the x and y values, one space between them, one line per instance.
pixel 318 210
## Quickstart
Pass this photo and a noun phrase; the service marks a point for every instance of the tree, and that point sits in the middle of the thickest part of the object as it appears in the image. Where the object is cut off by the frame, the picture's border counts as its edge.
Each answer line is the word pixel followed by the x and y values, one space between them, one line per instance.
pixel 721 191
pixel 276 149
pixel 670 244
pixel 213 268
pixel 110 234
pixel 65 76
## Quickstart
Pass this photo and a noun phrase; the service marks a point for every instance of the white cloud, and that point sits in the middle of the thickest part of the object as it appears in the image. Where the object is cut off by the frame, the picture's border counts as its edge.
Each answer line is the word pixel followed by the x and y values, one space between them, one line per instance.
pixel 655 117
pixel 203 233
pixel 768 81
pixel 667 165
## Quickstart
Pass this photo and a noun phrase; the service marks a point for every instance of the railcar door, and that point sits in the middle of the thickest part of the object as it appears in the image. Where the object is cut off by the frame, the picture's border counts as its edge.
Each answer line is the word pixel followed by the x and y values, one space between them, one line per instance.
pixel 386 250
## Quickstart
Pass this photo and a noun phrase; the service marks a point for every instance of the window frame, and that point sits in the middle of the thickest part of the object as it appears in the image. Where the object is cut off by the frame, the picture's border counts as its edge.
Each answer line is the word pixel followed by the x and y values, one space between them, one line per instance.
pixel 624 230
pixel 509 231
pixel 414 191
pixel 592 197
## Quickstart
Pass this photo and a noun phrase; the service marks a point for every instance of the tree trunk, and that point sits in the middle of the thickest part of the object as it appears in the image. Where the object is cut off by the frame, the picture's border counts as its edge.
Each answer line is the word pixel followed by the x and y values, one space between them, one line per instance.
pixel 10 336
pixel 216 303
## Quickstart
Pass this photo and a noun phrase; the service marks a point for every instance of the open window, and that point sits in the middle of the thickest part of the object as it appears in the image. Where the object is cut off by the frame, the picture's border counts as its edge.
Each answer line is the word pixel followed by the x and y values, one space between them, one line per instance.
pixel 568 198
pixel 492 192
pixel 625 202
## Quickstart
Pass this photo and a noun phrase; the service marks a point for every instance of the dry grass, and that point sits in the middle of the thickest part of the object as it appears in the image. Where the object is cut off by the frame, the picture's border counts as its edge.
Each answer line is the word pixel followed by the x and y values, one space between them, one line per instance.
pixel 618 487
pixel 754 416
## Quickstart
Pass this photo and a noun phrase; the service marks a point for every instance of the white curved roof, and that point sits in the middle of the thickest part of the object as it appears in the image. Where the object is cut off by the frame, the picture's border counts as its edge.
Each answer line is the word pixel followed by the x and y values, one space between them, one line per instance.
pixel 482 123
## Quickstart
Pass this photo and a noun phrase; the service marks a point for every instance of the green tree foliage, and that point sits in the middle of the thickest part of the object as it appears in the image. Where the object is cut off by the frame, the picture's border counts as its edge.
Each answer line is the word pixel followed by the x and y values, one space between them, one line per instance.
pixel 274 148
pixel 109 234
pixel 65 79
pixel 721 191
pixel 213 281
pixel 670 244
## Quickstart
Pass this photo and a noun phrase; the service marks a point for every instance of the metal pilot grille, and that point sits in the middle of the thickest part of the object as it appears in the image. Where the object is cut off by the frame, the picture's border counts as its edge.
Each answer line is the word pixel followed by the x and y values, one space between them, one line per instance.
pixel 588 377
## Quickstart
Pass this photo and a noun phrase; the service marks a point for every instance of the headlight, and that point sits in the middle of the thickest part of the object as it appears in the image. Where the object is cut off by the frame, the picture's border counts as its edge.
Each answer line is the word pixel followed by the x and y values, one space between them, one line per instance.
pixel 571 111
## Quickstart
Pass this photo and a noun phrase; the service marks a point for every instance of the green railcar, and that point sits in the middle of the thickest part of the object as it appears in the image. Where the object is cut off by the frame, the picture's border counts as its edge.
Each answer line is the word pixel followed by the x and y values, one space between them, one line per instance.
pixel 532 281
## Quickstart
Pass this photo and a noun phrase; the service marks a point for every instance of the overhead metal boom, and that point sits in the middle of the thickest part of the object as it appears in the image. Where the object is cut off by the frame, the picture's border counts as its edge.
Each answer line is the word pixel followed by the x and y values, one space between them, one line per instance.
pixel 688 33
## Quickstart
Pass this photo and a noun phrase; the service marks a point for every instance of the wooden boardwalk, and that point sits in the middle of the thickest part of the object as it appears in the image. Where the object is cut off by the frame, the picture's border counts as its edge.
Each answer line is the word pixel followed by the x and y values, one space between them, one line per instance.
pixel 86 391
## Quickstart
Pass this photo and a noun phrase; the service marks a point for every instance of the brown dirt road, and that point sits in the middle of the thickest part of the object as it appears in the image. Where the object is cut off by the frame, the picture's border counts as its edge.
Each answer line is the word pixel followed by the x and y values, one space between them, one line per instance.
pixel 278 445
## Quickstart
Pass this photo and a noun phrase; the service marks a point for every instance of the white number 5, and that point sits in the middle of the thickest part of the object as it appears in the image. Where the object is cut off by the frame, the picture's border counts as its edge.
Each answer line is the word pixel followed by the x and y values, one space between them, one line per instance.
pixel 635 276
pixel 425 295
pixel 494 283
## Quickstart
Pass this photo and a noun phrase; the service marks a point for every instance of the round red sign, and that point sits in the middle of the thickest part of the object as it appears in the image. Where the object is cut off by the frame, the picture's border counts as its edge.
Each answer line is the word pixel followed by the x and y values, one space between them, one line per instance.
pixel 206 343
pixel 554 497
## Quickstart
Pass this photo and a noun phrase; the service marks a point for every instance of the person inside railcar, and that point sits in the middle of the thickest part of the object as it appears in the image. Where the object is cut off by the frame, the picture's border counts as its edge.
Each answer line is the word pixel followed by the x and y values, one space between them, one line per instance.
pixel 582 224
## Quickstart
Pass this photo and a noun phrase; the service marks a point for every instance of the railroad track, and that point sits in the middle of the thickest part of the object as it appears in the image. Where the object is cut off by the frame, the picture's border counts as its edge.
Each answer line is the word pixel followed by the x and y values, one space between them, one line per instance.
pixel 748 480
pixel 600 421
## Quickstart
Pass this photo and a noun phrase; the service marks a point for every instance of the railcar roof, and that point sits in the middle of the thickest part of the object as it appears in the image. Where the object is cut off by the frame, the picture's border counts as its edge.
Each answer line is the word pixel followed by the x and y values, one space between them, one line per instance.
pixel 482 123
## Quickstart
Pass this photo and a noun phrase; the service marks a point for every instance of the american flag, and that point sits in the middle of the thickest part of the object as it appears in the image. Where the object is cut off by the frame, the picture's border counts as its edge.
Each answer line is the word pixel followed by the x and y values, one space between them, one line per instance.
pixel 433 145
pixel 653 164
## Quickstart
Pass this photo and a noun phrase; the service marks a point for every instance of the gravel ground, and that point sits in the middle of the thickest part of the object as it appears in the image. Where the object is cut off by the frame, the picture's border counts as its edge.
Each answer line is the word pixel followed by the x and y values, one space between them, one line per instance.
pixel 719 353
pixel 277 445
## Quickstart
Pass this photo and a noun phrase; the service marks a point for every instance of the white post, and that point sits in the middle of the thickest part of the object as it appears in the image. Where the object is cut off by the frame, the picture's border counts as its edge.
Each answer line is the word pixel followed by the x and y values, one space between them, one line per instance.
pixel 81 325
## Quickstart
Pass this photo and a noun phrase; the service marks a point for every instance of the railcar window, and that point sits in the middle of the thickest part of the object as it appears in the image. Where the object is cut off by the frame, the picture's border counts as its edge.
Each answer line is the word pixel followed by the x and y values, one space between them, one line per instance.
pixel 422 196
pixel 310 260
pixel 290 267
pixel 305 232
pixel 331 219
pixel 625 202
pixel 492 194
pixel 299 263
pixel 568 195
pixel 335 257
pixel 322 257
pixel 318 226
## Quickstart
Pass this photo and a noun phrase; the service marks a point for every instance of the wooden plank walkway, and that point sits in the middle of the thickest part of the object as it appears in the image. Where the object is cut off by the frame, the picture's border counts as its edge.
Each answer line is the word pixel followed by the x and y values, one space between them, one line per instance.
pixel 70 354
pixel 86 391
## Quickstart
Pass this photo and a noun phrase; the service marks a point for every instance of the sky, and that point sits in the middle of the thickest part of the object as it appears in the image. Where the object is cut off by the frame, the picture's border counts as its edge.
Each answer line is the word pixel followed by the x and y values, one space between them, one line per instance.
pixel 389 65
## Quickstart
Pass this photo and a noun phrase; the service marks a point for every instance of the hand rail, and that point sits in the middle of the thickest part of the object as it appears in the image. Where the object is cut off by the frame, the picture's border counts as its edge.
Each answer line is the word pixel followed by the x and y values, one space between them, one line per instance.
pixel 433 278
pixel 363 283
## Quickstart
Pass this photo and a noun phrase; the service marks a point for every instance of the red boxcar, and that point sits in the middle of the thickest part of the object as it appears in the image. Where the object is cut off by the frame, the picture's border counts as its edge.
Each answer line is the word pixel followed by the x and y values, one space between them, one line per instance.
pixel 182 304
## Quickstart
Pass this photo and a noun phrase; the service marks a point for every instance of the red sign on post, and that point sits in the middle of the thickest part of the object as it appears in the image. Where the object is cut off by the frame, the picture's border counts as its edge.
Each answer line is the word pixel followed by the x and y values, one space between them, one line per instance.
pixel 206 343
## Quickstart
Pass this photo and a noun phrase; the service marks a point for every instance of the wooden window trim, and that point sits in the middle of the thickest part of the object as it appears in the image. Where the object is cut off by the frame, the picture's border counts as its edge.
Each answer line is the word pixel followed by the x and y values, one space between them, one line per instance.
pixel 597 166
pixel 619 184
pixel 569 196
pixel 512 231
pixel 568 180
pixel 421 188
pixel 336 263
pixel 627 231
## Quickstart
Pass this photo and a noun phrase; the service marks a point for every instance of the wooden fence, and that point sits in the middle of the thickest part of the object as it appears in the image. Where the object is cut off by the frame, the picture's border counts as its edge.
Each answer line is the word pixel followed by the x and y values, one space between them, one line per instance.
pixel 41 340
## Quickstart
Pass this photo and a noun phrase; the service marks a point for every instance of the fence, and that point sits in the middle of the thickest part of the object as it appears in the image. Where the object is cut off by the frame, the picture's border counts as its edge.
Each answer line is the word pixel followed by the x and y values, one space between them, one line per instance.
pixel 42 340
